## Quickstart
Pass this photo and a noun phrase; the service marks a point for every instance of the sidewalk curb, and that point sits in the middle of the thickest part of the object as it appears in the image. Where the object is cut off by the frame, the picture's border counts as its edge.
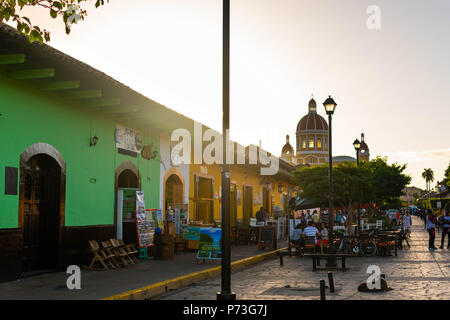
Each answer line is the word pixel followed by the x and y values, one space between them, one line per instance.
pixel 163 287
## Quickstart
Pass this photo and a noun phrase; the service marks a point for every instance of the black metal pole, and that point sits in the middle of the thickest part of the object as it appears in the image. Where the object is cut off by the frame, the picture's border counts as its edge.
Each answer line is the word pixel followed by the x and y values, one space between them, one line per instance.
pixel 331 281
pixel 322 290
pixel 226 293
pixel 331 261
pixel 359 213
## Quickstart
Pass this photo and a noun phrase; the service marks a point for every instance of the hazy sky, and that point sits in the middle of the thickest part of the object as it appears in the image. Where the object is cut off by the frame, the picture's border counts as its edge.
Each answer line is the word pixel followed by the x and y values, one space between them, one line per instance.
pixel 393 83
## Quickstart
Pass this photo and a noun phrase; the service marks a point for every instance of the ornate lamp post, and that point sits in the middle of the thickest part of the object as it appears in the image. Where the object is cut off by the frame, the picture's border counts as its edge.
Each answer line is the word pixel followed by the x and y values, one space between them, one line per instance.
pixel 357 146
pixel 330 106
pixel 226 293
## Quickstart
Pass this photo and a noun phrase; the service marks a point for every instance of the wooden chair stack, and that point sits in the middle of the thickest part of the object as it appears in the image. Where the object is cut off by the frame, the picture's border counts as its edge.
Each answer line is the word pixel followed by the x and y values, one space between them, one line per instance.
pixel 101 256
pixel 113 254
pixel 121 253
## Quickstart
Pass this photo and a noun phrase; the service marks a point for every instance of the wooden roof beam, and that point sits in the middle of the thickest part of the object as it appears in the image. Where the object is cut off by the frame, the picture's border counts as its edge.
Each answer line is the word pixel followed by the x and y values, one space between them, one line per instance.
pixel 120 109
pixel 82 94
pixel 31 74
pixel 12 58
pixel 101 102
pixel 60 85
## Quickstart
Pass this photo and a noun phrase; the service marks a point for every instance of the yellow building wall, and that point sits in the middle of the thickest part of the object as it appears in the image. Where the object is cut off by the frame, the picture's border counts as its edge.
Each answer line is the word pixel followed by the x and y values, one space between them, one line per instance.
pixel 240 176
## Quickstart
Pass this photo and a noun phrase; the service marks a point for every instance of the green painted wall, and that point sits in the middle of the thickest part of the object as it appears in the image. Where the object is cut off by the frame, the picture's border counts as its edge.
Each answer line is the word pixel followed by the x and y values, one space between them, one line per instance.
pixel 30 116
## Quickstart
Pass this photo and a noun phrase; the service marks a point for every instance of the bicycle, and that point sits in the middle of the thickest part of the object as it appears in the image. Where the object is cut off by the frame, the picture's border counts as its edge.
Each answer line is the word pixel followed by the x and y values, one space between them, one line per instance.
pixel 365 246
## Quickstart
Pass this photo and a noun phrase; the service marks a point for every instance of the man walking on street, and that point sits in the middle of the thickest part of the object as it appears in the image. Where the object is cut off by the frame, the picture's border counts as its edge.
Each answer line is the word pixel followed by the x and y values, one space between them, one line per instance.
pixel 407 222
pixel 431 227
pixel 445 230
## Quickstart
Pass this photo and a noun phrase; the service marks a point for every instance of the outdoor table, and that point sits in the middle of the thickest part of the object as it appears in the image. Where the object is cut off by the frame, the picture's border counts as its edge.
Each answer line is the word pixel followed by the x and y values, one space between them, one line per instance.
pixel 316 259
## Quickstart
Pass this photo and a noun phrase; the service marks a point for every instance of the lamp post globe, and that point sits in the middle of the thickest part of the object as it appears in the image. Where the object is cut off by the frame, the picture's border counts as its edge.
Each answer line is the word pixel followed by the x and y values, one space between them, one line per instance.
pixel 330 107
pixel 357 146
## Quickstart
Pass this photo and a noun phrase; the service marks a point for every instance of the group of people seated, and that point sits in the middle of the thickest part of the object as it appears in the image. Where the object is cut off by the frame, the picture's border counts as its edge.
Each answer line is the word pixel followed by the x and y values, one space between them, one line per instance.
pixel 318 231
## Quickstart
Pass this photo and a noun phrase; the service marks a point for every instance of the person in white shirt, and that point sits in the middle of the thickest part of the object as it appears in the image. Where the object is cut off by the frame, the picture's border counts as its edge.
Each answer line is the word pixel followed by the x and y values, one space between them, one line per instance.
pixel 323 236
pixel 407 222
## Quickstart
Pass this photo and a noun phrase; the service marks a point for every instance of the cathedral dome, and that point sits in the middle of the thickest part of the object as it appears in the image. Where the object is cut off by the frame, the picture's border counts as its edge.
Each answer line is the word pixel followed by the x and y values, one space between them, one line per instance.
pixel 312 121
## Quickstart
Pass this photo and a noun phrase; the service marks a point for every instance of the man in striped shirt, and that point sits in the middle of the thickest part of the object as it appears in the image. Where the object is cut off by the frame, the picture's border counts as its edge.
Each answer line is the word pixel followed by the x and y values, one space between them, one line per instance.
pixel 311 231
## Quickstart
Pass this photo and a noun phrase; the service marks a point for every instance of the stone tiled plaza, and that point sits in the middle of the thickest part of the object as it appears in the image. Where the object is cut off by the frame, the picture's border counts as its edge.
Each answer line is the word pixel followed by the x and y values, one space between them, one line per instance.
pixel 415 274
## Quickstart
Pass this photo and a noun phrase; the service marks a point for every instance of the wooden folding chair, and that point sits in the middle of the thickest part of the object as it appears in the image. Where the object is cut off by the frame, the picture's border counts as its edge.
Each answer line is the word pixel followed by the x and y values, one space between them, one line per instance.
pixel 109 249
pixel 100 256
pixel 121 253
pixel 130 249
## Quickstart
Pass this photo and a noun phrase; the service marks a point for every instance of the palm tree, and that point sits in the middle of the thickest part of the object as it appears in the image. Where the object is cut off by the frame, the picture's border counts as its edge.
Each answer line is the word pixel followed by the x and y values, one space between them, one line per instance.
pixel 428 175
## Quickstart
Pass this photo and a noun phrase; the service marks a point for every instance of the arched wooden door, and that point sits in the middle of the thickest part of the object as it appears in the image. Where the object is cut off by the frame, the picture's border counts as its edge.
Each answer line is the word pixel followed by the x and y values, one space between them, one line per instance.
pixel 39 208
pixel 174 192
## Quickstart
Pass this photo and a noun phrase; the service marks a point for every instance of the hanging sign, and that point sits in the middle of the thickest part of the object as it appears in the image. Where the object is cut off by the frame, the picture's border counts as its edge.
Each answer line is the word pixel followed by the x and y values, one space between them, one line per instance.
pixel 128 139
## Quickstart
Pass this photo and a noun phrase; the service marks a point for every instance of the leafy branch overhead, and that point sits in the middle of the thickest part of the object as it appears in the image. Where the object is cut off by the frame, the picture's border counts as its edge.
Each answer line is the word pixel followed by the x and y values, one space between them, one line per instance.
pixel 69 10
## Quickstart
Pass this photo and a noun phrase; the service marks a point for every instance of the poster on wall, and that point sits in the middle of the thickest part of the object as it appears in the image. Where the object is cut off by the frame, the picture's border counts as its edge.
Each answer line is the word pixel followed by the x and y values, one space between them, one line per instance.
pixel 128 139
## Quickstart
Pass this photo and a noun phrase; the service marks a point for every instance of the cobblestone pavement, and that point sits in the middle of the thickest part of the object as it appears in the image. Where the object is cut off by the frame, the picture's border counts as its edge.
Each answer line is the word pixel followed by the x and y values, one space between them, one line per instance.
pixel 415 274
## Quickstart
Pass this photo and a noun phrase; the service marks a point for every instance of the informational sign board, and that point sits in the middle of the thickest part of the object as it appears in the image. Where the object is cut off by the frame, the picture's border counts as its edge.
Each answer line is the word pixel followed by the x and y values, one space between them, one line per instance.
pixel 209 246
pixel 128 139
pixel 145 226
pixel 266 238
pixel 145 223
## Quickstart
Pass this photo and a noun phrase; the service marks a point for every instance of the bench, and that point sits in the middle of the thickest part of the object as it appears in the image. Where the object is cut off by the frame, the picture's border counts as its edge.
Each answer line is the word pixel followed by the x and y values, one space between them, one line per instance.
pixel 316 258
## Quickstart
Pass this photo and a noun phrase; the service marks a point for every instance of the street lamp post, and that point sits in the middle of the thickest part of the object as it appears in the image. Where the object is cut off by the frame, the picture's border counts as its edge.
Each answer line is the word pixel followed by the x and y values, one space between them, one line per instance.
pixel 226 293
pixel 357 146
pixel 330 106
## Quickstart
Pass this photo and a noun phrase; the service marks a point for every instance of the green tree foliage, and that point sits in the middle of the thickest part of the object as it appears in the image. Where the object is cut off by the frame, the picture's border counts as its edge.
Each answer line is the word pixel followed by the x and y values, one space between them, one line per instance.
pixel 446 179
pixel 373 181
pixel 388 181
pixel 69 10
